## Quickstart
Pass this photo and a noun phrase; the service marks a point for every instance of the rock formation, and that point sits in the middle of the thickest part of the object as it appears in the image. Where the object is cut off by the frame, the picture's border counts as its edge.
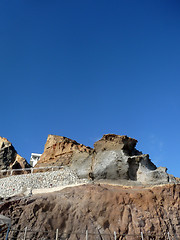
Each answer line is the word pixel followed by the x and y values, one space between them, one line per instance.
pixel 104 205
pixel 102 209
pixel 62 151
pixel 113 157
pixel 9 159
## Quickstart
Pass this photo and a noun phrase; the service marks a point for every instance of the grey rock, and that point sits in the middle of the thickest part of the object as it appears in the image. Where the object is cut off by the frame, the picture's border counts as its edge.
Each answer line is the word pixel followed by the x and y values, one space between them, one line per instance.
pixel 110 165
pixel 81 164
pixel 116 158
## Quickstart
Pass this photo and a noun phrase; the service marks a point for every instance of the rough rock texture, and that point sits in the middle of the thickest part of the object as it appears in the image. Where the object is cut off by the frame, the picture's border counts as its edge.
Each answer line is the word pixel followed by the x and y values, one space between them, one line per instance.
pixel 113 157
pixel 103 209
pixel 116 157
pixel 9 159
pixel 60 150
pixel 113 141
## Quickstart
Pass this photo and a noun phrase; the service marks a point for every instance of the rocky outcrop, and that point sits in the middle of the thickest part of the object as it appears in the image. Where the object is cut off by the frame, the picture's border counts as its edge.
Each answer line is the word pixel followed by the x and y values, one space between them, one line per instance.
pixel 61 151
pixel 100 208
pixel 117 158
pixel 113 157
pixel 9 159
pixel 113 141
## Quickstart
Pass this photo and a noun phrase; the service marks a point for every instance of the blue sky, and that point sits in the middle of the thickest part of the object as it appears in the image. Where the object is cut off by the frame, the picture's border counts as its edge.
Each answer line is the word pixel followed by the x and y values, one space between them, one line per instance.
pixel 82 69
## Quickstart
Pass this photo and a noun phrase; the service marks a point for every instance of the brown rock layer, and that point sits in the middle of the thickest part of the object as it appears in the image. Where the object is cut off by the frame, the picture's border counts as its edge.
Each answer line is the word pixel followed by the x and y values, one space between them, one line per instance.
pixel 60 150
pixel 113 141
pixel 103 209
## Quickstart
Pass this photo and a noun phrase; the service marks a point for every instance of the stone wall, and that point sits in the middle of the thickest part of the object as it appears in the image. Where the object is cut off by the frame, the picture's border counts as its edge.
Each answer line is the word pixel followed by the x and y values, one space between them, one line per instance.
pixel 20 184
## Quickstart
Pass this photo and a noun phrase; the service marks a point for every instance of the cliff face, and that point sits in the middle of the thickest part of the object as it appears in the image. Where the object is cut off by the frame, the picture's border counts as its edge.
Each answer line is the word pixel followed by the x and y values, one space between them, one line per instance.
pixel 103 209
pixel 113 157
pixel 9 159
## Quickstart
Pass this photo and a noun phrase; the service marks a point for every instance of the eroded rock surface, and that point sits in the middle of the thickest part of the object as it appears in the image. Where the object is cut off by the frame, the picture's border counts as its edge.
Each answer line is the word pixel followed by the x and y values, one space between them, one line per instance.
pixel 102 209
pixel 9 159
pixel 65 152
pixel 113 157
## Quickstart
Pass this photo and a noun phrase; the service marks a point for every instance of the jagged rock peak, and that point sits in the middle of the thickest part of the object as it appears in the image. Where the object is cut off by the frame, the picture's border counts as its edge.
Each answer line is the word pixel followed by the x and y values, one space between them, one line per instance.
pixel 64 144
pixel 9 159
pixel 3 142
pixel 59 150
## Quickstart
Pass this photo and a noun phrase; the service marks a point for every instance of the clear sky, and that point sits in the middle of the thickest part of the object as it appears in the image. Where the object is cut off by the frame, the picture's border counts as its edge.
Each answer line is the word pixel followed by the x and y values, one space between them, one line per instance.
pixel 82 69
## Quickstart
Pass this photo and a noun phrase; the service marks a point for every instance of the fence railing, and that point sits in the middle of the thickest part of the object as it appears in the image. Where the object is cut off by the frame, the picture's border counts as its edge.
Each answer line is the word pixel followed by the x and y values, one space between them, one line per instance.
pixel 27 234
pixel 9 172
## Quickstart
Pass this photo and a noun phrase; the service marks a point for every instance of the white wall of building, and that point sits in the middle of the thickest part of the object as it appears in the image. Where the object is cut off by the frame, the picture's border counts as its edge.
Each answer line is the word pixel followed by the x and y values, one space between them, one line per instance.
pixel 34 158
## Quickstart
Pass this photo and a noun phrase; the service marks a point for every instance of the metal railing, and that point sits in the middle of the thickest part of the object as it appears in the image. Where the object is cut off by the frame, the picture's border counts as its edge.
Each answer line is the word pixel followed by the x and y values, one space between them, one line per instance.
pixel 26 234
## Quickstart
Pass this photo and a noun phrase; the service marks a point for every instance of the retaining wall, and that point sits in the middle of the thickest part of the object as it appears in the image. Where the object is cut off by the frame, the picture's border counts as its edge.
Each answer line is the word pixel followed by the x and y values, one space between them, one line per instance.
pixel 19 184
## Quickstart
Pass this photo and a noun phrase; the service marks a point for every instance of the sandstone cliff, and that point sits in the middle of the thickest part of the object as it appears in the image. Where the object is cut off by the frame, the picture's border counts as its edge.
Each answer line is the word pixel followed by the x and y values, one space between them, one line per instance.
pixel 113 157
pixel 101 208
pixel 9 159
pixel 60 151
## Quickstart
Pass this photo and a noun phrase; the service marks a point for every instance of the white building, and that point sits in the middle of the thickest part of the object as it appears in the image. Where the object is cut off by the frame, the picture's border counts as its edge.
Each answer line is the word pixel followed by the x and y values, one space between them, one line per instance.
pixel 34 158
